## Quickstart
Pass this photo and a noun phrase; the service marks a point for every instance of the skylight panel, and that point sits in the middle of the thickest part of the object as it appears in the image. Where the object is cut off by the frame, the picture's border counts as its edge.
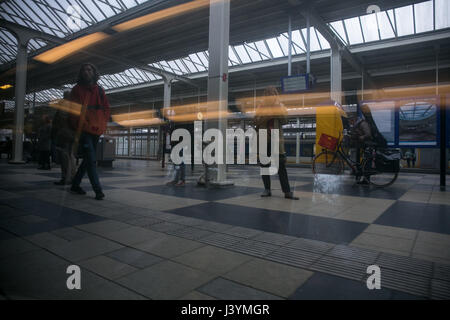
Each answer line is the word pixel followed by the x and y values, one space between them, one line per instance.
pixel 240 50
pixel 299 45
pixel 386 31
pixel 442 12
pixel 284 43
pixel 181 66
pixel 263 49
pixel 423 14
pixel 190 65
pixel 204 58
pixel 339 29
pixel 274 48
pixel 353 30
pixel 370 27
pixel 315 46
pixel 232 56
pixel 404 18
pixel 323 42
pixel 253 52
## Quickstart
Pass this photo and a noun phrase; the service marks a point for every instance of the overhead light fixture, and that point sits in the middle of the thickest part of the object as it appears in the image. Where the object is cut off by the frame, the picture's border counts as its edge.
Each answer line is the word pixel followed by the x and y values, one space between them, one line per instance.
pixel 69 48
pixel 162 14
pixel 6 86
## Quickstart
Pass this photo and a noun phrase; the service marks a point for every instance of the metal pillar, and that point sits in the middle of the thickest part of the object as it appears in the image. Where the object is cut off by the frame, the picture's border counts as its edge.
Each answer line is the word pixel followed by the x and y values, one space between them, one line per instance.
pixel 219 34
pixel 336 75
pixel 443 146
pixel 308 44
pixel 21 84
pixel 290 46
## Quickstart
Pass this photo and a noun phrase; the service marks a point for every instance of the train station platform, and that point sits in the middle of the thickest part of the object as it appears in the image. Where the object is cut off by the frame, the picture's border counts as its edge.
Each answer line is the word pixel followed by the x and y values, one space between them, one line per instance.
pixel 146 240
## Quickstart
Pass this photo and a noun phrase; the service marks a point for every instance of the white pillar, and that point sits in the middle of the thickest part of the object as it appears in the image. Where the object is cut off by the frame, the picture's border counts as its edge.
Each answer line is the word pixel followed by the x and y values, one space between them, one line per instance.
pixel 290 47
pixel 336 75
pixel 167 91
pixel 21 85
pixel 219 33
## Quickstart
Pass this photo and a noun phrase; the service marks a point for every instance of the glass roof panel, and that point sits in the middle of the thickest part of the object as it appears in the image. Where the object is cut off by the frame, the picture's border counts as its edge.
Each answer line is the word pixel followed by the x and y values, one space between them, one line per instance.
pixel 323 42
pixel 190 65
pixel 297 41
pixel 353 30
pixel 253 52
pixel 232 57
pixel 422 13
pixel 338 27
pixel 442 14
pixel 370 27
pixel 242 53
pixel 386 23
pixel 315 46
pixel 404 18
pixel 274 47
pixel 262 49
pixel 283 40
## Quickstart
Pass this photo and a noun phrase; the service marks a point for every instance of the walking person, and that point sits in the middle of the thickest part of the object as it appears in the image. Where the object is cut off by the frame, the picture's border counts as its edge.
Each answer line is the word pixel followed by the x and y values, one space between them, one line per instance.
pixel 63 137
pixel 272 114
pixel 90 125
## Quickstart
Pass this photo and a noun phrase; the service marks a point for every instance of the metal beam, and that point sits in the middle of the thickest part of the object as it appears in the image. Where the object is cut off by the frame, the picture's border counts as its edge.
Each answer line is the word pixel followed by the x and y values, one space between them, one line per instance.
pixel 30 34
pixel 335 42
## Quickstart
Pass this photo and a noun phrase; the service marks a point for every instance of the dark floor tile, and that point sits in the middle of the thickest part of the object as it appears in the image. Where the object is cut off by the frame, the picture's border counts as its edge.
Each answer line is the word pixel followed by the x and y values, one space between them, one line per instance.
pixel 194 192
pixel 134 257
pixel 419 216
pixel 299 225
pixel 228 290
pixel 327 287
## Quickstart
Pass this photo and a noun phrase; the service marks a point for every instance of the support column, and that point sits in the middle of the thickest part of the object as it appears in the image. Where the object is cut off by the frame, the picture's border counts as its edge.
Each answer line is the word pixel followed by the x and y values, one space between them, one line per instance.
pixel 167 91
pixel 290 47
pixel 219 33
pixel 308 45
pixel 19 112
pixel 336 75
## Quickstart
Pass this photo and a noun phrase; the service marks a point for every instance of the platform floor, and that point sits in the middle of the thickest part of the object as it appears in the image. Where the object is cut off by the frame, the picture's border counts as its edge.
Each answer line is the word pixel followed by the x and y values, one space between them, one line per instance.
pixel 147 240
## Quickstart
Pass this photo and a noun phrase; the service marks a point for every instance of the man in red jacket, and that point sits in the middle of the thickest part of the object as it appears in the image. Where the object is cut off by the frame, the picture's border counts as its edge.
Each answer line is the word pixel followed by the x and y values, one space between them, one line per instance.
pixel 89 126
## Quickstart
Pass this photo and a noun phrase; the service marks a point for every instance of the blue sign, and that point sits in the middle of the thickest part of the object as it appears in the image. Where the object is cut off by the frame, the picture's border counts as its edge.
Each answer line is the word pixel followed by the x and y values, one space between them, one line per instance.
pixel 297 83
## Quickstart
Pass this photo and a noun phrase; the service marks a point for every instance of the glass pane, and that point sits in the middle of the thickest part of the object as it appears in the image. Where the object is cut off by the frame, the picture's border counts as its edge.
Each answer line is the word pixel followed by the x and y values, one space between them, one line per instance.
pixel 284 43
pixel 313 38
pixel 442 14
pixel 404 18
pixel 263 49
pixel 339 28
pixel 253 52
pixel 242 54
pixel 298 41
pixel 423 13
pixel 370 27
pixel 204 58
pixel 274 47
pixel 190 65
pixel 353 30
pixel 323 41
pixel 386 30
pixel 232 56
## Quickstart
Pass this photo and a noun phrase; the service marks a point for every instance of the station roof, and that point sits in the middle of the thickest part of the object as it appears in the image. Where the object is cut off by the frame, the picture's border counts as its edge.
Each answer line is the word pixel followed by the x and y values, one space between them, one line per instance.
pixel 258 34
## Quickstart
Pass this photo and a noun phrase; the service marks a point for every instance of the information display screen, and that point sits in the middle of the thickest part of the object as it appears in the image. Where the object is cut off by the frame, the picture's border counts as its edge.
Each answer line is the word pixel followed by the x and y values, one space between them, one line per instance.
pixel 297 83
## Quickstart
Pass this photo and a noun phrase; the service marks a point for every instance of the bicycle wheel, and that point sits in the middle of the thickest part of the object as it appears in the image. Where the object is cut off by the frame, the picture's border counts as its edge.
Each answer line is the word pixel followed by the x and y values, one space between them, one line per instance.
pixel 378 177
pixel 328 162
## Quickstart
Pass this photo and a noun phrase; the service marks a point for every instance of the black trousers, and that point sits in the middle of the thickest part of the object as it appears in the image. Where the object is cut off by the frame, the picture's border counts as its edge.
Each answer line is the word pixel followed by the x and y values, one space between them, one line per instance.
pixel 282 174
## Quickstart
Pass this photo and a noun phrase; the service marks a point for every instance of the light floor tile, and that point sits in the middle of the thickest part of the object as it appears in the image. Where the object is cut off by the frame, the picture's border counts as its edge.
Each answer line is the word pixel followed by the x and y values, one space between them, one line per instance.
pixel 382 241
pixel 212 260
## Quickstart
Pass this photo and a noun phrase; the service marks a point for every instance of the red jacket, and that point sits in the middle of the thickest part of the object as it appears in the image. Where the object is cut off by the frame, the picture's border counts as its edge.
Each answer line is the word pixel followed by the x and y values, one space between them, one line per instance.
pixel 94 101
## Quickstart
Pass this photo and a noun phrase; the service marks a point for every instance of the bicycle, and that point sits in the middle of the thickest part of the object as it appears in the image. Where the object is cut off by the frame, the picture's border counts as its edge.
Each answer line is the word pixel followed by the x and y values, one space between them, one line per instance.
pixel 371 167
